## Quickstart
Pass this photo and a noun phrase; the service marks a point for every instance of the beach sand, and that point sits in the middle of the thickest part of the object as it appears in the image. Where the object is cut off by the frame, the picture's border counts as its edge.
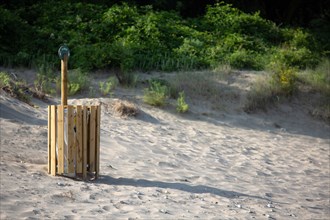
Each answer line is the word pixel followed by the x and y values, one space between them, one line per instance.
pixel 165 165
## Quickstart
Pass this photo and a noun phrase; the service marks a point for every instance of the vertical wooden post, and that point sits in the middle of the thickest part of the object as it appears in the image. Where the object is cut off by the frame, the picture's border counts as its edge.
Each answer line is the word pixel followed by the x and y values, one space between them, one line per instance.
pixel 79 139
pixel 98 129
pixel 60 138
pixel 64 82
pixel 53 128
pixel 92 140
pixel 71 146
pixel 84 145
pixel 49 140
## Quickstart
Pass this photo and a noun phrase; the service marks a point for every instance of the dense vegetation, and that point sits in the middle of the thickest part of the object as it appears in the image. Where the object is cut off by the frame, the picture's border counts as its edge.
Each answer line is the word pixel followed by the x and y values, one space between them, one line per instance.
pixel 128 37
pixel 164 36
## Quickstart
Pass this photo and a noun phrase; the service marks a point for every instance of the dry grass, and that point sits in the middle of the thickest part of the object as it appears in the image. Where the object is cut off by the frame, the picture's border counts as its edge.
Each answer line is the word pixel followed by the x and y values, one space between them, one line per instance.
pixel 322 112
pixel 263 92
pixel 124 108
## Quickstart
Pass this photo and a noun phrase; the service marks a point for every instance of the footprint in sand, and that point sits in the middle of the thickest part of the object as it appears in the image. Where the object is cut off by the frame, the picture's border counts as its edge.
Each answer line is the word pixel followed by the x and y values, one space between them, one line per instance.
pixel 166 164
pixel 106 208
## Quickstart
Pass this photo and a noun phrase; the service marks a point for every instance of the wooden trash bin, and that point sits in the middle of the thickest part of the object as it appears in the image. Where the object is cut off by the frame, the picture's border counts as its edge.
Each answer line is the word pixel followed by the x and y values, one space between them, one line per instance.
pixel 74 141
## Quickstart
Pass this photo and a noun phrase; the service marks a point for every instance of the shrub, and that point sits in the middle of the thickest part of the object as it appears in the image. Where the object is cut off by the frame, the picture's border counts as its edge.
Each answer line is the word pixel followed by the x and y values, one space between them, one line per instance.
pixel 181 105
pixel 16 89
pixel 156 94
pixel 318 78
pixel 264 91
pixel 45 78
pixel 77 81
pixel 223 19
pixel 132 38
pixel 285 77
pixel 244 59
pixel 294 57
pixel 270 88
pixel 108 86
pixel 16 37
pixel 128 79
pixel 4 80
pixel 42 84
pixel 171 91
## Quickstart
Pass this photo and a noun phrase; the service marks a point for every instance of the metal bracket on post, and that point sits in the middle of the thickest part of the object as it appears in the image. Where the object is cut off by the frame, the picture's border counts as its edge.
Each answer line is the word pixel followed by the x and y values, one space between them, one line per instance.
pixel 64 53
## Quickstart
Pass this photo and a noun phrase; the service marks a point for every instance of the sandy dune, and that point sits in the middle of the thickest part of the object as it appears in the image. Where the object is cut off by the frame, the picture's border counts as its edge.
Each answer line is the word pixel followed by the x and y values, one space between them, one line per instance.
pixel 162 165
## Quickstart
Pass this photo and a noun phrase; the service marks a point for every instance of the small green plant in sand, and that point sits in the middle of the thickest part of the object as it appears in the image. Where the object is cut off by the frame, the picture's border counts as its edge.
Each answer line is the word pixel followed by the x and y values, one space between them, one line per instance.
pixel 91 92
pixel 78 81
pixel 15 88
pixel 156 94
pixel 181 105
pixel 107 87
pixel 42 84
pixel 45 78
pixel 127 78
pixel 4 80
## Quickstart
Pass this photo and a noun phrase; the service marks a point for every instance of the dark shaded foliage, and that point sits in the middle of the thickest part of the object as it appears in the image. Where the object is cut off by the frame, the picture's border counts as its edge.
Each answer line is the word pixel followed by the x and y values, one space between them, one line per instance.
pixel 135 35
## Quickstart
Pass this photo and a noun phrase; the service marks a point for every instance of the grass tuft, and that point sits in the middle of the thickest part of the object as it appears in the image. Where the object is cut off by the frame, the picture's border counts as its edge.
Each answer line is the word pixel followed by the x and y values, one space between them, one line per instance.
pixel 125 108
pixel 156 94
pixel 181 106
pixel 15 88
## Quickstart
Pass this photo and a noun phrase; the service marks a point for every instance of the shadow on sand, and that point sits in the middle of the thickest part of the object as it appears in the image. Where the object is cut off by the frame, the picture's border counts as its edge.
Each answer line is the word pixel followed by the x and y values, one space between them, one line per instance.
pixel 198 189
pixel 19 116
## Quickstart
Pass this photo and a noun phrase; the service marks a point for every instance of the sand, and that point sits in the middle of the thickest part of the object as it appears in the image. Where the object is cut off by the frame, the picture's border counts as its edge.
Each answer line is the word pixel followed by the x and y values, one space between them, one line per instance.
pixel 164 165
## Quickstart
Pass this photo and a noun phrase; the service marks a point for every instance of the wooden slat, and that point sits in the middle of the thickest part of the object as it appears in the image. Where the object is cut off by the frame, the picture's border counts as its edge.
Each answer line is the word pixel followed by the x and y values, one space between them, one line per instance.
pixel 71 146
pixel 49 140
pixel 53 139
pixel 84 145
pixel 92 139
pixel 98 129
pixel 60 138
pixel 79 137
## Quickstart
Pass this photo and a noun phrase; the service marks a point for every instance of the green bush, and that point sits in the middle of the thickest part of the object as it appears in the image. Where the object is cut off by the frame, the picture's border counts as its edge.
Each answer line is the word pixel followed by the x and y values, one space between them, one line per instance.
pixel 127 78
pixel 181 105
pixel 300 58
pixel 45 78
pixel 77 81
pixel 4 80
pixel 128 37
pixel 15 39
pixel 285 77
pixel 171 91
pixel 270 88
pixel 244 59
pixel 318 78
pixel 107 87
pixel 43 85
pixel 13 87
pixel 264 91
pixel 223 19
pixel 156 94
